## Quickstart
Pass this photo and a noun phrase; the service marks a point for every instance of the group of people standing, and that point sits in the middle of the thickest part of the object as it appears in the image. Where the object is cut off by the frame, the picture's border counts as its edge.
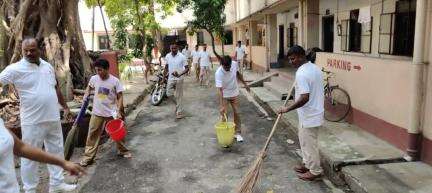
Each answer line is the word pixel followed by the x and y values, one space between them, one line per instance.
pixel 37 86
pixel 200 61
pixel 39 93
pixel 309 96
pixel 226 76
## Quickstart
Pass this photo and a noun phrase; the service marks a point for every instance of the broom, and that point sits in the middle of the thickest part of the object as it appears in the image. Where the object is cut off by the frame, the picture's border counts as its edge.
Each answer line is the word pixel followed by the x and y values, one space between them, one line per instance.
pixel 250 179
pixel 72 136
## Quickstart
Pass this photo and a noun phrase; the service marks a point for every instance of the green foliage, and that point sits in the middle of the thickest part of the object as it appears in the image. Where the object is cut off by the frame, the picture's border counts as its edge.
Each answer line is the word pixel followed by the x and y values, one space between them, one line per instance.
pixel 208 15
pixel 125 71
pixel 122 66
pixel 137 53
pixel 126 58
pixel 120 32
pixel 138 14
pixel 150 42
pixel 136 44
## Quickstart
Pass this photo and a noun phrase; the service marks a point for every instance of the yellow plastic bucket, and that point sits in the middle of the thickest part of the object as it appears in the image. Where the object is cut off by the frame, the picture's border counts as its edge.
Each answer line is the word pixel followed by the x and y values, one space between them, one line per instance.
pixel 225 133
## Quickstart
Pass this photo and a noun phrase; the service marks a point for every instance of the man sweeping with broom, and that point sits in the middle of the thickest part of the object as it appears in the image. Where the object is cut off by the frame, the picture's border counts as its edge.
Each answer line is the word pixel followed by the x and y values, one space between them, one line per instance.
pixel 309 102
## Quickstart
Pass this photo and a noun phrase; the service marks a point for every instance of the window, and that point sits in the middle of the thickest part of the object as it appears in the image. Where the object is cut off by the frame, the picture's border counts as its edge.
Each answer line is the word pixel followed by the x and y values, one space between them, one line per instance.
pixel 366 37
pixel 200 38
pixel 355 29
pixel 292 35
pixel 397 29
pixel 261 35
pixel 386 33
pixel 228 37
pixel 355 36
pixel 103 42
pixel 344 35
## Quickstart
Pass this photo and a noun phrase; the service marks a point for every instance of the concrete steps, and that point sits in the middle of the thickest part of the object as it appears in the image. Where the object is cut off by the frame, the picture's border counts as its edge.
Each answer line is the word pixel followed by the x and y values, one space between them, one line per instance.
pixel 351 156
pixel 413 177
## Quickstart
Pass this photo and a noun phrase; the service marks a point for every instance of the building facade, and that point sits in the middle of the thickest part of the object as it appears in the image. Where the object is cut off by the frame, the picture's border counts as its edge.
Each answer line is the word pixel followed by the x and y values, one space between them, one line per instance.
pixel 379 51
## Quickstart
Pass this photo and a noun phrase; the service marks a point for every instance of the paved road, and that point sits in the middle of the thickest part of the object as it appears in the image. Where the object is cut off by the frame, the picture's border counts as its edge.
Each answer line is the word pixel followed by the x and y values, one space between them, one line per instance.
pixel 183 156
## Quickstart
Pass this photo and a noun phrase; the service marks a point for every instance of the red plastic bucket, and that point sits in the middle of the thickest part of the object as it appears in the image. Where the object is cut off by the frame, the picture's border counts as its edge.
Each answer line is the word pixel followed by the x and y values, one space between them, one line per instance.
pixel 116 129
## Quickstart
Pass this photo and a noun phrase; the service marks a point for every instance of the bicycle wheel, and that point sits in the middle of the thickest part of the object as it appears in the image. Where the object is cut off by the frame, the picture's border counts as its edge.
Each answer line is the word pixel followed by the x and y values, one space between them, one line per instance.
pixel 337 104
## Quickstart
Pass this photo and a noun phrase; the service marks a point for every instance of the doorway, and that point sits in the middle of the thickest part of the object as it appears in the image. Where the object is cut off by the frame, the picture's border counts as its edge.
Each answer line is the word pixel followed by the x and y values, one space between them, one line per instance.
pixel 328 33
pixel 281 41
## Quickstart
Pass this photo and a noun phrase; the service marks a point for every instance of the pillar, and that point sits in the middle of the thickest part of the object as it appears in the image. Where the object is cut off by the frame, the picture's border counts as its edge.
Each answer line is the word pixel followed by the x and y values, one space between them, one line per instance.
pixel 418 86
pixel 253 33
pixel 311 23
pixel 300 34
pixel 271 39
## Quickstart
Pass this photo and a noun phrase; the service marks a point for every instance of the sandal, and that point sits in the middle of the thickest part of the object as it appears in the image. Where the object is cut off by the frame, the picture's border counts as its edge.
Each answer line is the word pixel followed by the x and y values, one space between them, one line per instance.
pixel 125 155
pixel 180 116
pixel 84 163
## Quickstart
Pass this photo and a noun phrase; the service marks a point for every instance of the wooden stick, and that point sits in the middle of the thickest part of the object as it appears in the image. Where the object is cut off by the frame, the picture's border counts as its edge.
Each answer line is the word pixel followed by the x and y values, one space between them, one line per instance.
pixel 278 119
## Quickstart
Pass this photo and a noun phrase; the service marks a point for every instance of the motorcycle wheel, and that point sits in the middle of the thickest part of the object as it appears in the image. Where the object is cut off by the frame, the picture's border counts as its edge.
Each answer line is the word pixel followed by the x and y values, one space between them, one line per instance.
pixel 157 95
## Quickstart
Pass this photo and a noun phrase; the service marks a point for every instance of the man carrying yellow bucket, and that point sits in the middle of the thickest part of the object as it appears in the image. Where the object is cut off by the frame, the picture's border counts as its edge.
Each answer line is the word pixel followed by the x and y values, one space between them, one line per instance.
pixel 226 81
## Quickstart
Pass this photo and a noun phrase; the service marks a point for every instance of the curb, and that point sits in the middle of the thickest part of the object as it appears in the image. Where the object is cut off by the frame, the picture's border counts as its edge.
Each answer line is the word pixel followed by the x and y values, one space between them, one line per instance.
pixel 130 107
pixel 329 166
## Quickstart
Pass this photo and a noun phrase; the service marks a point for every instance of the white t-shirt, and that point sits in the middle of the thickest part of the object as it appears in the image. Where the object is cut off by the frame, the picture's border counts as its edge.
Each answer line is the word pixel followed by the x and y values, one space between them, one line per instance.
pixel 195 56
pixel 227 80
pixel 35 85
pixel 8 180
pixel 104 102
pixel 309 79
pixel 186 53
pixel 175 63
pixel 240 52
pixel 204 58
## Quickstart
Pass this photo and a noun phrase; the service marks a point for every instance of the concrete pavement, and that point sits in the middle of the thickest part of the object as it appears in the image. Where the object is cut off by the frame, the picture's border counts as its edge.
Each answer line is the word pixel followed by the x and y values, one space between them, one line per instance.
pixel 183 156
pixel 350 155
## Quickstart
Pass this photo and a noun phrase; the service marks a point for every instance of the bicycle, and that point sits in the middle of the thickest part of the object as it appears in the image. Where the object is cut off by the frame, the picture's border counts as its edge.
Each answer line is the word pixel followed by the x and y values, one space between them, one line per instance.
pixel 337 102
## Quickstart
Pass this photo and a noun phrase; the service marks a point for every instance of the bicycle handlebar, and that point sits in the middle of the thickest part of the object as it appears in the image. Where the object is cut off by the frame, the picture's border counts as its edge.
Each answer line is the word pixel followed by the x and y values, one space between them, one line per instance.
pixel 328 72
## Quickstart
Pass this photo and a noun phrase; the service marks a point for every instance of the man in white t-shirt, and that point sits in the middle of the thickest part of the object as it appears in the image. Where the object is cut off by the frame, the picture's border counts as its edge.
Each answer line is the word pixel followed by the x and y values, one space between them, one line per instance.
pixel 195 62
pixel 239 55
pixel 176 67
pixel 40 96
pixel 10 145
pixel 226 77
pixel 205 62
pixel 309 102
pixel 188 54
pixel 107 104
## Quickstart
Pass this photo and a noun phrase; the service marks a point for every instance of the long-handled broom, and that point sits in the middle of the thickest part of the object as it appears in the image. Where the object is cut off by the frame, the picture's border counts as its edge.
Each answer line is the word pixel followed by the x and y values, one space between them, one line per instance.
pixel 72 136
pixel 250 179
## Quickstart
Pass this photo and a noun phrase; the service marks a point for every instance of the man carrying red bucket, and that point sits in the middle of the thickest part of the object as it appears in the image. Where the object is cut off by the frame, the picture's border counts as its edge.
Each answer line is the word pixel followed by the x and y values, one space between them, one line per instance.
pixel 107 103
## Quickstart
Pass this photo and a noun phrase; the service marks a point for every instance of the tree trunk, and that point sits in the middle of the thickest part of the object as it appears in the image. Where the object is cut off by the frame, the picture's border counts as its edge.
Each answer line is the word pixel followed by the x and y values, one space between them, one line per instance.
pixel 142 30
pixel 105 27
pixel 156 33
pixel 213 44
pixel 3 42
pixel 223 48
pixel 55 24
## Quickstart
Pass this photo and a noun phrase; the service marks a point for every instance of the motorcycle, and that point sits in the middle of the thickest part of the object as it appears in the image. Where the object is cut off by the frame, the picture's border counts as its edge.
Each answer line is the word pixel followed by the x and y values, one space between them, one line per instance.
pixel 159 90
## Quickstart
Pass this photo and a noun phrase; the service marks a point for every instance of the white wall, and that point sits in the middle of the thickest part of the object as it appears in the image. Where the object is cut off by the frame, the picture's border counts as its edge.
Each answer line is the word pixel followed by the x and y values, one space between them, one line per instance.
pixel 258 57
pixel 86 14
pixel 243 9
pixel 269 2
pixel 230 12
pixel 257 5
pixel 382 95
